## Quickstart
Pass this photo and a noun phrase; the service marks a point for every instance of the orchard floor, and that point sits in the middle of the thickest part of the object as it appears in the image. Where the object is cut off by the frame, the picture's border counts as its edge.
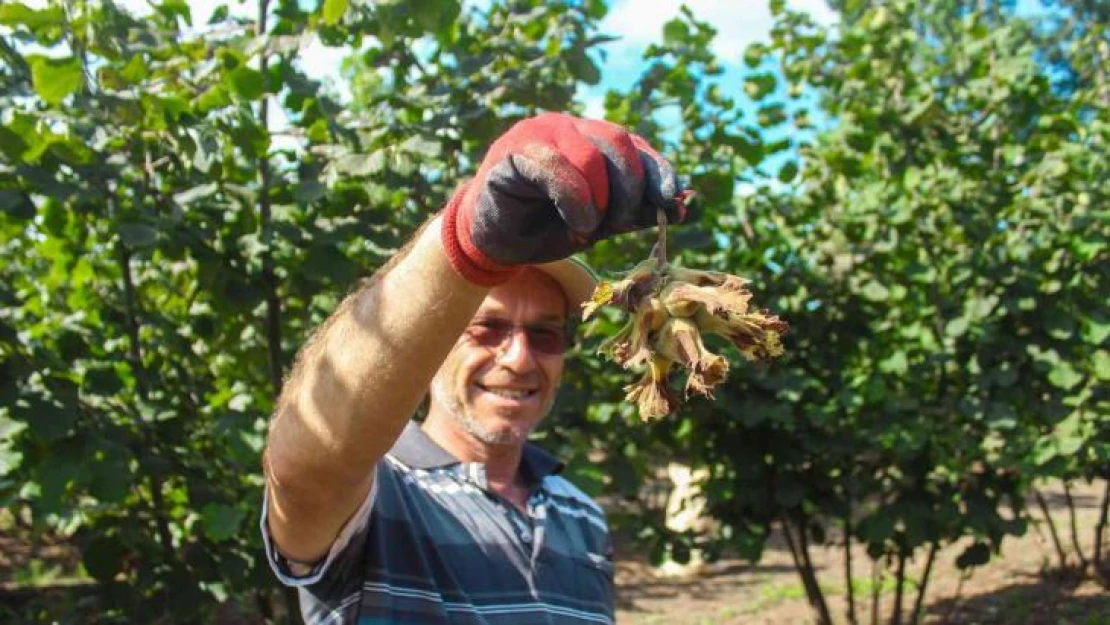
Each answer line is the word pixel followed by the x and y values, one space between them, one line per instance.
pixel 1022 586
pixel 1019 587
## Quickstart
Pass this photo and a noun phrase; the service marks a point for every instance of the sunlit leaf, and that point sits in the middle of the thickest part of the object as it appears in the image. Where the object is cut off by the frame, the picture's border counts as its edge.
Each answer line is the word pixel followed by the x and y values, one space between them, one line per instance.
pixel 333 11
pixel 56 79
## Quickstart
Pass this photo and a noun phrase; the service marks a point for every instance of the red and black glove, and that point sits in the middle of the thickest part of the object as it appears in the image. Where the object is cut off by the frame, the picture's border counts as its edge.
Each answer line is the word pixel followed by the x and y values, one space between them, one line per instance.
pixel 551 186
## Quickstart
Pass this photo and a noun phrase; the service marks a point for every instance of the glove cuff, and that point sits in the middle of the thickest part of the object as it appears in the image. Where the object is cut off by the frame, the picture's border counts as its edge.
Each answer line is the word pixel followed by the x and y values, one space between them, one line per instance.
pixel 468 261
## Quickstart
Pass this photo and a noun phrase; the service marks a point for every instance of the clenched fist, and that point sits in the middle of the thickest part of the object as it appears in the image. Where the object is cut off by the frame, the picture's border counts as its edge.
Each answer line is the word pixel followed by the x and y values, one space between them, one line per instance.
pixel 551 186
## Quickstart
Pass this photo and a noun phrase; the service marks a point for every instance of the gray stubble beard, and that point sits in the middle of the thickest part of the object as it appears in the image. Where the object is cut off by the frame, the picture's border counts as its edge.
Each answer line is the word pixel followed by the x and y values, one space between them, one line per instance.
pixel 441 394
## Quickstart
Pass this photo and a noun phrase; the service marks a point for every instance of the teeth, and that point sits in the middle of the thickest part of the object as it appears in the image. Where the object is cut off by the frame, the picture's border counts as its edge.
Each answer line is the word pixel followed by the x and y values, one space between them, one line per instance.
pixel 509 393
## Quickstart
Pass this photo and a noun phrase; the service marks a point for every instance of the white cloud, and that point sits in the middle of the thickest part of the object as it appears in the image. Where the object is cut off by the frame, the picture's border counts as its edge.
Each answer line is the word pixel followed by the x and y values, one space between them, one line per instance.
pixel 738 23
pixel 323 62
pixel 200 10
pixel 594 103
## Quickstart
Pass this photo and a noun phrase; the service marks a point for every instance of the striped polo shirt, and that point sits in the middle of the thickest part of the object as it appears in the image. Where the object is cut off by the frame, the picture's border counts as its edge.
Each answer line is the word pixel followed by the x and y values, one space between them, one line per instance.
pixel 433 544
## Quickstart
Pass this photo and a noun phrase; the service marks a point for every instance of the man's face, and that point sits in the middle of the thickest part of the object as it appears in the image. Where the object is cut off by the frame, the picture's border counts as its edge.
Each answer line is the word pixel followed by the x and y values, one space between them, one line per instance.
pixel 501 378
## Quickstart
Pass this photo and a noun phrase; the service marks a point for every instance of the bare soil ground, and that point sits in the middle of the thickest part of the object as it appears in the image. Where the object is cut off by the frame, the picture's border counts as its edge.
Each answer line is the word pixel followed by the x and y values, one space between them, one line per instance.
pixel 1022 586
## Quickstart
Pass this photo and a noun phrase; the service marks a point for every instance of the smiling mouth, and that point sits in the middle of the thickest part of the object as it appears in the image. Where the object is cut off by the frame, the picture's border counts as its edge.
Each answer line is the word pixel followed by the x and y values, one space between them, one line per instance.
pixel 509 393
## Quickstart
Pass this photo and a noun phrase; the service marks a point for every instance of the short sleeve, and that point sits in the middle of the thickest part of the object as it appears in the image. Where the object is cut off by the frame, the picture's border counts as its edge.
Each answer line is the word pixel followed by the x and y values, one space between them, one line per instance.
pixel 344 550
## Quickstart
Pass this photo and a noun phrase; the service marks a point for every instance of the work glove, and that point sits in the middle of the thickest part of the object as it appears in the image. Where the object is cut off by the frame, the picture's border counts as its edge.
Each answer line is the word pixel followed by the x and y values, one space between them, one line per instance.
pixel 551 186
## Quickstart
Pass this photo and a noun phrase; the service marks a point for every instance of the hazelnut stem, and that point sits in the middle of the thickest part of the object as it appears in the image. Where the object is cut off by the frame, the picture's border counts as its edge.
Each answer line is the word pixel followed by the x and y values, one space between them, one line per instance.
pixel 660 250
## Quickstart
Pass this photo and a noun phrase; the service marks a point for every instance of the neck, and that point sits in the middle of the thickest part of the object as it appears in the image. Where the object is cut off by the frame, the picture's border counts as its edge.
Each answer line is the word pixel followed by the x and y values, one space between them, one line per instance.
pixel 502 461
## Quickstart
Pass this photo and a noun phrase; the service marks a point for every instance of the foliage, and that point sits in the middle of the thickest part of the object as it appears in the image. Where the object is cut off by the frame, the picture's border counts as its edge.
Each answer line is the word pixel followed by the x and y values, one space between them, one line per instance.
pixel 940 256
pixel 920 190
pixel 167 249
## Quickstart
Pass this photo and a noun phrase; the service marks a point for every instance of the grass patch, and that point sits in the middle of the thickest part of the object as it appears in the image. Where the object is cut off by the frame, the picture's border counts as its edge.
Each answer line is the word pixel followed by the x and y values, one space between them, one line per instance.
pixel 864 586
pixel 861 587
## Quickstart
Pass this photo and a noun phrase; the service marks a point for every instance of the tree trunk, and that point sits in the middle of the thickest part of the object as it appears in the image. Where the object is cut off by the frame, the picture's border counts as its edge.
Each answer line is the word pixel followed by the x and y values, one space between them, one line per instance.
pixel 802 564
pixel 918 603
pixel 269 278
pixel 899 585
pixel 821 606
pixel 1060 553
pixel 135 355
pixel 1100 529
pixel 955 598
pixel 1074 528
pixel 876 584
pixel 851 610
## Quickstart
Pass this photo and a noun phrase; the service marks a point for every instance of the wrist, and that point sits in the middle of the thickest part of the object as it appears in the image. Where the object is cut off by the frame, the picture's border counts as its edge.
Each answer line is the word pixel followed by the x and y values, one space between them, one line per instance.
pixel 466 259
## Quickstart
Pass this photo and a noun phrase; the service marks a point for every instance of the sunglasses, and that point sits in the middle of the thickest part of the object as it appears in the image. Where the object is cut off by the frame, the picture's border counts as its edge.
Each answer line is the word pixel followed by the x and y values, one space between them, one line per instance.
pixel 549 339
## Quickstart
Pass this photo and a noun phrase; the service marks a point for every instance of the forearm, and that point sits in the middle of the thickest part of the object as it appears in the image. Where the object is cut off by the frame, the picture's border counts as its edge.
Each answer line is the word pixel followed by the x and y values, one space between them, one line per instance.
pixel 361 377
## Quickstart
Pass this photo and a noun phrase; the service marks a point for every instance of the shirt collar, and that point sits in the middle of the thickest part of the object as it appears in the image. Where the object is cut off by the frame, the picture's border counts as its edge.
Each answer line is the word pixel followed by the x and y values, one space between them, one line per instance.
pixel 417 450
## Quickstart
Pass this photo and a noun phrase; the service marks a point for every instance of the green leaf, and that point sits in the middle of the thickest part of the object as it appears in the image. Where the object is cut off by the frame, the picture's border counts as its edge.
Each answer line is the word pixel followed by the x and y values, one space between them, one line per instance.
pixel 246 82
pixel 221 522
pixel 173 9
pixel 788 172
pixel 309 191
pixel 912 178
pixel 897 363
pixel 333 11
pixel 110 479
pixel 425 147
pixel 583 66
pixel 15 14
pixel 1060 327
pixel 135 70
pixel 318 132
pixel 977 554
pixel 1095 330
pixel 675 32
pixel 878 527
pixel 957 327
pixel 103 557
pixel 55 79
pixel 198 192
pixel 215 97
pixel 16 204
pixel 875 292
pixel 10 459
pixel 753 55
pixel 55 478
pixel 136 234
pixel 1101 363
pixel 760 85
pixel 102 380
pixel 12 144
pixel 48 421
pixel 1064 376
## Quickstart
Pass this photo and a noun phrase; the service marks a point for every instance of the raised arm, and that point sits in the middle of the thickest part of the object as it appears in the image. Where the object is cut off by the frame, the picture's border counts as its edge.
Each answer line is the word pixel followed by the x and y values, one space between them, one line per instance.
pixel 353 388
pixel 551 186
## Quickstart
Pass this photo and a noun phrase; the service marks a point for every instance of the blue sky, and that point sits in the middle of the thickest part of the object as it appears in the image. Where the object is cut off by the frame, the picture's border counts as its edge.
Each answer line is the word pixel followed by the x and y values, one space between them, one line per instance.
pixel 640 22
pixel 636 23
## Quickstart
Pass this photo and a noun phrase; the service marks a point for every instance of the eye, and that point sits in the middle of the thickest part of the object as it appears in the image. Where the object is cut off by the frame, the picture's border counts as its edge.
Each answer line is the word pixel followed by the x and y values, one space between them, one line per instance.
pixel 545 333
pixel 489 332
pixel 495 325
pixel 547 339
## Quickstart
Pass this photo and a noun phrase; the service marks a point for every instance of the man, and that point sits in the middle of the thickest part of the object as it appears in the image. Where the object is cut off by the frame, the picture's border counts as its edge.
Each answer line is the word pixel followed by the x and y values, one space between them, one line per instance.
pixel 378 520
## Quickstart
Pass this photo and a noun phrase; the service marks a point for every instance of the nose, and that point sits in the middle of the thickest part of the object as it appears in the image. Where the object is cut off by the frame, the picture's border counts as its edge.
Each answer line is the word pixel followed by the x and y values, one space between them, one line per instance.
pixel 515 352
